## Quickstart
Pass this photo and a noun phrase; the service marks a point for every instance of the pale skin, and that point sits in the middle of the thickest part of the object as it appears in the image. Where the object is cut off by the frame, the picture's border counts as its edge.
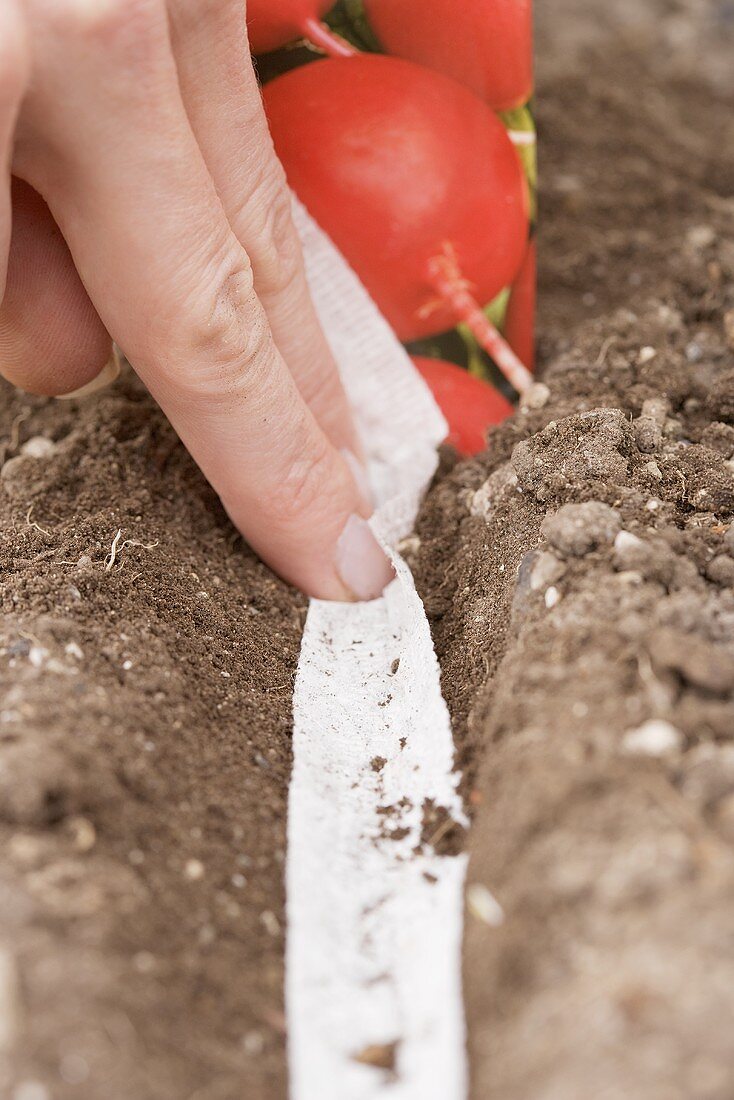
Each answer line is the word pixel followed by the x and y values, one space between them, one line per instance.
pixel 141 202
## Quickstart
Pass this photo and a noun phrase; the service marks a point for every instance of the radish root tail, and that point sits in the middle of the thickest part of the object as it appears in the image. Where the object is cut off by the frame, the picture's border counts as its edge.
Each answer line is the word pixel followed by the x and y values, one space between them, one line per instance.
pixel 319 35
pixel 444 275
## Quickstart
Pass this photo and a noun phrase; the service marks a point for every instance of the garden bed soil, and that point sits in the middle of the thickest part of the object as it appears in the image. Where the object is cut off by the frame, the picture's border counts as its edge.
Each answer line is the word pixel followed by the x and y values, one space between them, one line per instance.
pixel 579 579
pixel 146 686
pixel 147 678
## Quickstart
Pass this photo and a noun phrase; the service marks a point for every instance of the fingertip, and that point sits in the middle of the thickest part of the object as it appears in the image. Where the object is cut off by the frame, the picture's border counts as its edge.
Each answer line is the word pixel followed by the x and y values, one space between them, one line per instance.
pixel 109 373
pixel 361 563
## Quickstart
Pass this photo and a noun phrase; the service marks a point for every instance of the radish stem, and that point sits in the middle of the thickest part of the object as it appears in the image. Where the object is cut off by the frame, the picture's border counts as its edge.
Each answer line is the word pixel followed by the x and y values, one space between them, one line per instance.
pixel 446 279
pixel 318 34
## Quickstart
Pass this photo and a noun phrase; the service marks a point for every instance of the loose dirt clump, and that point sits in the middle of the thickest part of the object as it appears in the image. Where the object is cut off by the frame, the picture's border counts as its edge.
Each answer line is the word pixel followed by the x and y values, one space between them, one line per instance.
pixel 579 580
pixel 146 664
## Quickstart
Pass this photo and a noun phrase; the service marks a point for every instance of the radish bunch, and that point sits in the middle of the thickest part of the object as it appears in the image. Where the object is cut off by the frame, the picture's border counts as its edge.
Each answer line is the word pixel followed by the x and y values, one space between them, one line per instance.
pixel 404 163
pixel 415 180
pixel 275 23
pixel 520 316
pixel 484 44
pixel 468 404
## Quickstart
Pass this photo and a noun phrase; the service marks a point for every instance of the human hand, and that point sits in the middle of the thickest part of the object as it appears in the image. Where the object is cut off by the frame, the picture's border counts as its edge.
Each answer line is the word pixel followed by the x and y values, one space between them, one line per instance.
pixel 148 207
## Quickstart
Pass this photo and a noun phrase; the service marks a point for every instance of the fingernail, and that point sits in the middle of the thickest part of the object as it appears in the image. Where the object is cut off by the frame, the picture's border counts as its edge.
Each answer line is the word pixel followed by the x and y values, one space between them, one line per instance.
pixel 360 560
pixel 106 377
pixel 359 473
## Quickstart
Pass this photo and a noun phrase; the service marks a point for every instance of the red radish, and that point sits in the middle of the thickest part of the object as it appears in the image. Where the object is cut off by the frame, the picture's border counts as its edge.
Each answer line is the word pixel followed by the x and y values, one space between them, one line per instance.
pixel 485 44
pixel 468 404
pixel 520 317
pixel 417 183
pixel 274 23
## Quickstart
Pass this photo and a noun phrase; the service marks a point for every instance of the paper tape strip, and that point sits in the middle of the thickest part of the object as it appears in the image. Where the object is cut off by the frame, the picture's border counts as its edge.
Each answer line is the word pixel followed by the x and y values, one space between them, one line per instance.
pixel 373 972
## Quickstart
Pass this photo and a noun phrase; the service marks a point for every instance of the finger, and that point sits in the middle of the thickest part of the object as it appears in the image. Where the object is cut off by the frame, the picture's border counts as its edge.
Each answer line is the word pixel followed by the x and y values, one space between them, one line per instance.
pixel 224 104
pixel 51 338
pixel 174 287
pixel 14 66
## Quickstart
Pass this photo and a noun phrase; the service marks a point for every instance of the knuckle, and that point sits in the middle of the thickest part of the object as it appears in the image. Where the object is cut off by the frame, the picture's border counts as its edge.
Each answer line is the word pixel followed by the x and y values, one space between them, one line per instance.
pixel 307 488
pixel 274 244
pixel 224 337
pixel 282 262
pixel 117 25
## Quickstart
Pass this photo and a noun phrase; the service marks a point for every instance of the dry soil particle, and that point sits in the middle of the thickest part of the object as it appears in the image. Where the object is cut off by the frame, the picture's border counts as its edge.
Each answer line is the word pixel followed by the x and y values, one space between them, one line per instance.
pixel 146 684
pixel 579 579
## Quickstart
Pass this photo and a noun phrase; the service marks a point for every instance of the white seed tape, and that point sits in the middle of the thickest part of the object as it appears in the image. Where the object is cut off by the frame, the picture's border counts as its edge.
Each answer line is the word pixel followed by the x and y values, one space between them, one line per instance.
pixel 373 971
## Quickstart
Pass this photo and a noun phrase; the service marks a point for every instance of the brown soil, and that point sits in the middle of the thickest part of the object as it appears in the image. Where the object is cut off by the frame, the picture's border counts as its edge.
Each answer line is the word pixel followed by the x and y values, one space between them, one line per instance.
pixel 579 578
pixel 144 723
pixel 144 758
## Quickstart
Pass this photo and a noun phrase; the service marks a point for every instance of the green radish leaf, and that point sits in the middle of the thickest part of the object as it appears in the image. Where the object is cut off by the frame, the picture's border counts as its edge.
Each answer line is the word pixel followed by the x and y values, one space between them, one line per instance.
pixel 477 361
pixel 520 118
pixel 520 121
pixel 347 18
pixel 445 345
pixel 497 308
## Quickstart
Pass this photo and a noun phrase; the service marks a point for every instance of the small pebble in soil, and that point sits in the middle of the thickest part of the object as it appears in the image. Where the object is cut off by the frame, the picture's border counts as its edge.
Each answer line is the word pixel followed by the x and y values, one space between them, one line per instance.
pixel 720 570
pixel 648 434
pixel 207 935
pixel 270 922
pixel 481 501
pixel 575 529
pixel 194 870
pixel 729 328
pixel 37 655
pixel 546 571
pixel 657 409
pixel 535 397
pixel 654 470
pixel 653 738
pixel 483 905
pixel 253 1043
pixel 552 597
pixel 625 540
pixel 82 831
pixel 38 446
pixel 701 236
